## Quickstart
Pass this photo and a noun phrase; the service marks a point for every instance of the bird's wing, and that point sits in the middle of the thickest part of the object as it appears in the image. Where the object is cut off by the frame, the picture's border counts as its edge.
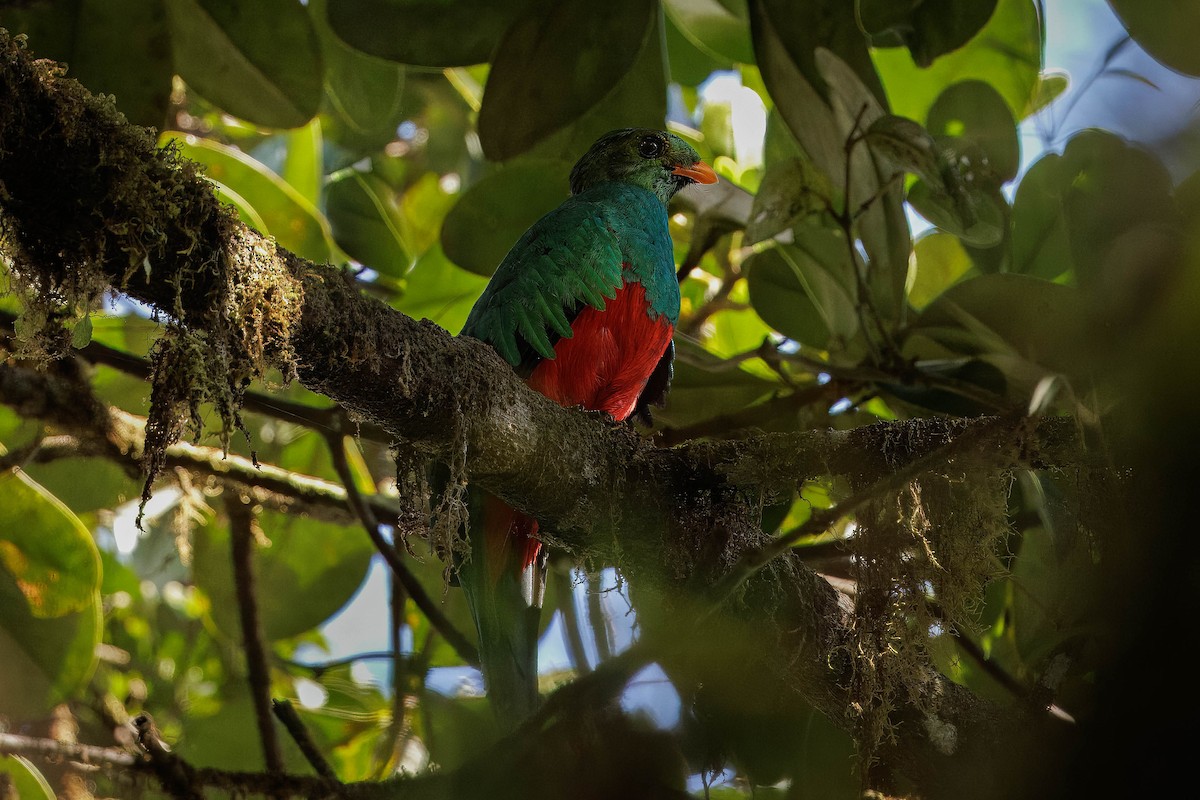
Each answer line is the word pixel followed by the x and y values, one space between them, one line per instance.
pixel 570 258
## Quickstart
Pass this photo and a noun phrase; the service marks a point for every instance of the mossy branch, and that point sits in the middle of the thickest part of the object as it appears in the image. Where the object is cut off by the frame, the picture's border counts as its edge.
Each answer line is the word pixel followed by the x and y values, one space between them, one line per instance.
pixel 88 201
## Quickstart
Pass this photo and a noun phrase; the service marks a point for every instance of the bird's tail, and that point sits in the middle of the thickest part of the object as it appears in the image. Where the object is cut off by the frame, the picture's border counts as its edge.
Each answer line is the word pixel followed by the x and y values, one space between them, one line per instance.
pixel 505 583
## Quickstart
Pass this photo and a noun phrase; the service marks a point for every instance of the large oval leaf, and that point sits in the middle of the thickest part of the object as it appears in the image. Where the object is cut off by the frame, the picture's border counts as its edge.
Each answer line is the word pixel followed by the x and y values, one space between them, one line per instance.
pixel 490 217
pixel 1071 209
pixel 928 29
pixel 722 29
pixel 46 549
pixel 309 571
pixel 366 222
pixel 438 290
pixel 430 33
pixel 801 292
pixel 266 201
pixel 363 94
pixel 555 64
pixel 93 36
pixel 1009 315
pixel 49 599
pixel 1166 30
pixel 1007 53
pixel 1040 243
pixel 258 61
pixel 971 116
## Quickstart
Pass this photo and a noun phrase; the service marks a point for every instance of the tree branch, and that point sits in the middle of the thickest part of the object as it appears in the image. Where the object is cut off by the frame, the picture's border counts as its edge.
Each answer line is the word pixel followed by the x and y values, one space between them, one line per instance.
pixel 241 533
pixel 683 517
pixel 466 651
pixel 59 395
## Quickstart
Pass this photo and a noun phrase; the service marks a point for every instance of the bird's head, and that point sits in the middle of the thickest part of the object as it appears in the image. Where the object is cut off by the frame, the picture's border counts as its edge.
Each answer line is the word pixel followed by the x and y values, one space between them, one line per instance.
pixel 658 161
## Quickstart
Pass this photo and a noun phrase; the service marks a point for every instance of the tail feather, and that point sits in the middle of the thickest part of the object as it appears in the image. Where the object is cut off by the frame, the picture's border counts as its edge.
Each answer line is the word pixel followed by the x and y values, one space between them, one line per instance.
pixel 505 584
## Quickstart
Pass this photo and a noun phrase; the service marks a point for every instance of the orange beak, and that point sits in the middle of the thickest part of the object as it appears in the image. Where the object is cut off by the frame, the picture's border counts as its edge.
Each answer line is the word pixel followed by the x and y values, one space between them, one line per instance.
pixel 698 172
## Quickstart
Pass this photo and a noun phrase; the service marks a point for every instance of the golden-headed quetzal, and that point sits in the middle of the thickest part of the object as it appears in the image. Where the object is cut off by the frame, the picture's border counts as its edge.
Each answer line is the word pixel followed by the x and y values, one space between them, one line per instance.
pixel 583 307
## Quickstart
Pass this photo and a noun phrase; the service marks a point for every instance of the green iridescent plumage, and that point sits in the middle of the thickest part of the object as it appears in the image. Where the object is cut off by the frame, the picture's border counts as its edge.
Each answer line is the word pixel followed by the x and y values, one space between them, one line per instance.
pixel 613 230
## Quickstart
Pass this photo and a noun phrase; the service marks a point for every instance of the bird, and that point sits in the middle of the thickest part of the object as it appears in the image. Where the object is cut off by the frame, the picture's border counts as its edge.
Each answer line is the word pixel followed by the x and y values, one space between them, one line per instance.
pixel 583 308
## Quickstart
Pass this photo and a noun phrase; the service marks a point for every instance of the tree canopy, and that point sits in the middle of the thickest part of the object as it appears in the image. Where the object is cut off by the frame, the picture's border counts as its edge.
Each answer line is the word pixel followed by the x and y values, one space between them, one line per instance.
pixel 913 521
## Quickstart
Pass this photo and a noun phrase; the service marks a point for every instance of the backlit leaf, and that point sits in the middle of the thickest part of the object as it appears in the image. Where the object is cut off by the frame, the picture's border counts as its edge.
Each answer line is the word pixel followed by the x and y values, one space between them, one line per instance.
pixel 587 50
pixel 258 61
pixel 425 32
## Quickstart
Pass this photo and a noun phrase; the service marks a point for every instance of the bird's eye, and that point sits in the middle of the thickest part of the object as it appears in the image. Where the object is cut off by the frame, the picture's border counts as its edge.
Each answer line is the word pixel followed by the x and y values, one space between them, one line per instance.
pixel 650 147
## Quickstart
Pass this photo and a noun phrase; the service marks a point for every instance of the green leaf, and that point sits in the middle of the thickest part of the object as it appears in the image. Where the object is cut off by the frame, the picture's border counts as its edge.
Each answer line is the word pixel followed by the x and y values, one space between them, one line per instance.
pixel 906 145
pixel 46 549
pixel 1009 315
pixel 721 29
pixel 802 28
pixel 424 206
pixel 429 33
pixel 307 573
pixel 265 199
pixel 367 223
pixel 1110 187
pixel 257 61
pixel 779 297
pixel 941 262
pixel 797 101
pixel 1056 579
pixel 790 191
pixel 303 167
pixel 1165 30
pixel 1041 246
pixel 821 259
pixel 86 484
pixel 971 116
pixel 492 214
pixel 25 778
pixel 93 37
pixel 969 212
pixel 438 290
pixel 44 661
pixel 928 29
pixel 1072 210
pixel 872 194
pixel 81 335
pixel 1050 86
pixel 363 94
pixel 50 619
pixel 1007 53
pixel 583 50
pixel 689 64
pixel 805 291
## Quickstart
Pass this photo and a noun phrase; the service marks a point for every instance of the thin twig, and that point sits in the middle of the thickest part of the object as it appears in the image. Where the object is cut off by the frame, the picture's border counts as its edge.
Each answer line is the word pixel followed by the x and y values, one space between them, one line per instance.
pixel 15 744
pixel 571 624
pixel 598 620
pixel 285 712
pixel 466 651
pixel 326 666
pixel 241 530
pixel 403 701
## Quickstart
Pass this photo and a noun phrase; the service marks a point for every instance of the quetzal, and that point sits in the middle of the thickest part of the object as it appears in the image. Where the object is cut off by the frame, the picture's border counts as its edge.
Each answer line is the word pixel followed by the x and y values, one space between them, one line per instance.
pixel 583 307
